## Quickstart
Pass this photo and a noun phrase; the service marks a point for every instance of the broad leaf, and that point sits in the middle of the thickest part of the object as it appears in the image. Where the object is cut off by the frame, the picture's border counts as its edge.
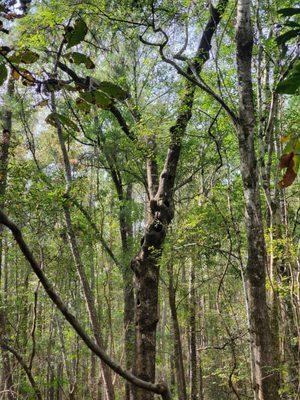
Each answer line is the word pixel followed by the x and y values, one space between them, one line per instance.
pixel 27 77
pixel 15 74
pixel 292 24
pixel 285 37
pixel 79 58
pixel 291 84
pixel 12 16
pixel 69 88
pixel 54 85
pixel 97 98
pixel 24 57
pixel 42 103
pixel 113 91
pixel 53 117
pixel 76 34
pixel 289 11
pixel 82 105
pixel 4 50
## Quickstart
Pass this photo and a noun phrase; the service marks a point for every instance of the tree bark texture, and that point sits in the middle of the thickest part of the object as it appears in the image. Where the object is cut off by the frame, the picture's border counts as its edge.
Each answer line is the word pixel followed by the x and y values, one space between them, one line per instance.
pixel 266 379
pixel 178 357
pixel 7 382
pixel 161 211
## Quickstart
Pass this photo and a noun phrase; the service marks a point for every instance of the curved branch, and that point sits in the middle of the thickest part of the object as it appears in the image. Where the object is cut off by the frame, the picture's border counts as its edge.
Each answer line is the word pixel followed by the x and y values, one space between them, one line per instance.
pixel 119 117
pixel 202 55
pixel 159 388
pixel 84 83
pixel 26 369
pixel 196 81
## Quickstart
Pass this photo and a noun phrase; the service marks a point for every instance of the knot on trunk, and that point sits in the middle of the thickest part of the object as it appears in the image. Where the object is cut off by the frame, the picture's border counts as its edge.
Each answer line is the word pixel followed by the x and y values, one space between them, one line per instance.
pixel 147 325
pixel 162 210
pixel 164 390
pixel 154 236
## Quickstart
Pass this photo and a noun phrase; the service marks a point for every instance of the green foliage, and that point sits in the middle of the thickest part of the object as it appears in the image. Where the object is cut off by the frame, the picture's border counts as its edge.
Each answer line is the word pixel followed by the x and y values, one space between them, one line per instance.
pixel 24 57
pixel 97 98
pixel 112 90
pixel 53 117
pixel 291 84
pixel 75 34
pixel 109 179
pixel 79 58
pixel 289 11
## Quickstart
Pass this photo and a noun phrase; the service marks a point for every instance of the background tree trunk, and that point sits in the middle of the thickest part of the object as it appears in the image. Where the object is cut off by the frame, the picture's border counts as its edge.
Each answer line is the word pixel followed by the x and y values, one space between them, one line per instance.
pixel 178 357
pixel 266 383
pixel 6 376
pixel 192 334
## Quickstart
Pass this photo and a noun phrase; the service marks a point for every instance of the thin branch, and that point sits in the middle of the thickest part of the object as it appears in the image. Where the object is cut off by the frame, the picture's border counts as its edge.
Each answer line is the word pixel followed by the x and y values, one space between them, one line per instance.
pixel 26 369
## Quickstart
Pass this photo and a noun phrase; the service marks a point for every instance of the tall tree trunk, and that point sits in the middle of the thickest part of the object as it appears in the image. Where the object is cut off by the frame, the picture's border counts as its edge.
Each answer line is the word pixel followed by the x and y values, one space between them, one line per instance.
pixel 70 375
pixel 200 341
pixel 129 332
pixel 88 294
pixel 178 358
pixel 128 289
pixel 146 263
pixel 7 382
pixel 126 233
pixel 161 211
pixel 59 381
pixel 266 379
pixel 192 334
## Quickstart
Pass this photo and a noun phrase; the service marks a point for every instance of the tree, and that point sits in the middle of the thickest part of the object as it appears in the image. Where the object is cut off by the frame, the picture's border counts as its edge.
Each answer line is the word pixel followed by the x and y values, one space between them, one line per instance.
pixel 143 186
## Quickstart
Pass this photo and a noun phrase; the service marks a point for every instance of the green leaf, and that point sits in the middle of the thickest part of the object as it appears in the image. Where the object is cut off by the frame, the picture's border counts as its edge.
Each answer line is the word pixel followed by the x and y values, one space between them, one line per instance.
pixel 24 57
pixel 82 105
pixel 289 147
pixel 292 24
pixel 76 34
pixel 113 91
pixel 285 37
pixel 3 73
pixel 79 58
pixel 69 88
pixel 97 98
pixel 291 84
pixel 289 11
pixel 53 117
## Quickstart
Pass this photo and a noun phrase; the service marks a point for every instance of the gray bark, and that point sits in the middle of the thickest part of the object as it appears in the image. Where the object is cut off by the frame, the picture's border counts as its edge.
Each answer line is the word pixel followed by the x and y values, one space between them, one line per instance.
pixel 266 379
pixel 161 211
pixel 6 378
pixel 178 356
